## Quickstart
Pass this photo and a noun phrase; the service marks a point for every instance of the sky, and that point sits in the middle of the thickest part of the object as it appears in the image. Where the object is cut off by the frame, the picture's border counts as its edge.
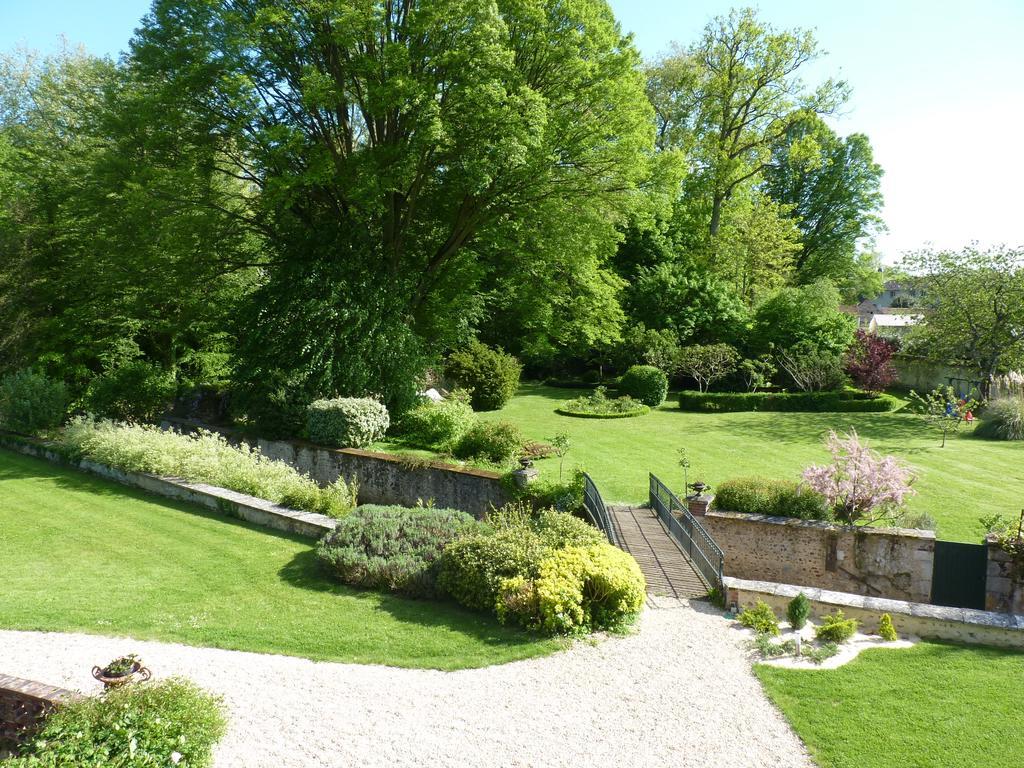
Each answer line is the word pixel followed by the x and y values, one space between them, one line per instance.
pixel 938 87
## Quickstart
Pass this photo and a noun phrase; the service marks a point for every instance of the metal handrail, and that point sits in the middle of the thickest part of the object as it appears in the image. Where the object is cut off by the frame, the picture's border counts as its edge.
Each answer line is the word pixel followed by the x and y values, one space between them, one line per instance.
pixel 597 511
pixel 702 551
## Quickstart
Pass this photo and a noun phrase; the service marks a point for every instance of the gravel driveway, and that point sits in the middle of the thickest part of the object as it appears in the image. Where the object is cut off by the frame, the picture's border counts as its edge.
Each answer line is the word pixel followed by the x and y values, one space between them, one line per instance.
pixel 677 693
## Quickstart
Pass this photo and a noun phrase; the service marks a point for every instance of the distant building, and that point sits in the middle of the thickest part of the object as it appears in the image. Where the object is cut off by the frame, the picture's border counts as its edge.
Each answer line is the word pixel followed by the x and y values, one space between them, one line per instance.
pixel 897 294
pixel 884 321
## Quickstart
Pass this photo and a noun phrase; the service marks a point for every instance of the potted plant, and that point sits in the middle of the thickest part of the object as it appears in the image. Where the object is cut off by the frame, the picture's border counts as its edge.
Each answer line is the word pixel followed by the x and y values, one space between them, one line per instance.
pixel 121 671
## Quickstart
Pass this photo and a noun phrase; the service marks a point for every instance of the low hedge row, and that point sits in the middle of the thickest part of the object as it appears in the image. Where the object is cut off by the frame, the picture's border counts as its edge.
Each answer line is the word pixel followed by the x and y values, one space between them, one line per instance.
pixel 591 415
pixel 844 401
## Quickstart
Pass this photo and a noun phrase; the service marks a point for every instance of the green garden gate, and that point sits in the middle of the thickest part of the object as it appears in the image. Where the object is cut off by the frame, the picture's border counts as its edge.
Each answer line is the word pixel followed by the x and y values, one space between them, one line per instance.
pixel 958 574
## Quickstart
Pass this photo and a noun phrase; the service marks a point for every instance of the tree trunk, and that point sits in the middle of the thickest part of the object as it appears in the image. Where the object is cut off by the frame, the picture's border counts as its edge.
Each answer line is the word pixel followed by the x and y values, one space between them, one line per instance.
pixel 716 214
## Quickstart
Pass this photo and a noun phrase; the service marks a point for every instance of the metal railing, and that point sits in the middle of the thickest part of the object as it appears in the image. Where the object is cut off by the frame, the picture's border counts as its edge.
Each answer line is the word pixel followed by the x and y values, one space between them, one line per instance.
pixel 706 556
pixel 597 511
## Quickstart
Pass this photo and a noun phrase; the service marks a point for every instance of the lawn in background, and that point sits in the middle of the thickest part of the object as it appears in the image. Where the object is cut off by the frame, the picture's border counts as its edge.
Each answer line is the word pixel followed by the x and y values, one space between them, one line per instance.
pixel 928 706
pixel 956 485
pixel 78 553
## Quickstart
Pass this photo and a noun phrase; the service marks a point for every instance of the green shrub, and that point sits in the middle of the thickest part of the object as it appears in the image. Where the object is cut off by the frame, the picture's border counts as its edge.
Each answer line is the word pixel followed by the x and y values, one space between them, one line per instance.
pixel 836 628
pixel 31 402
pixel 886 630
pixel 798 610
pixel 499 442
pixel 203 457
pixel 165 723
pixel 839 401
pixel 472 568
pixel 645 383
pixel 760 618
pixel 597 405
pixel 491 375
pixel 347 422
pixel 821 653
pixel 770 649
pixel 135 391
pixel 438 426
pixel 275 409
pixel 551 494
pixel 1003 420
pixel 776 498
pixel 393 548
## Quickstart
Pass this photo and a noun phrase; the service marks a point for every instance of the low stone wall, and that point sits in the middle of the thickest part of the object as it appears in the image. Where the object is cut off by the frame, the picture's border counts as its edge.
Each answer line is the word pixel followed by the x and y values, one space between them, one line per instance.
pixel 879 562
pixel 382 477
pixel 222 500
pixel 924 375
pixel 1004 582
pixel 23 706
pixel 961 625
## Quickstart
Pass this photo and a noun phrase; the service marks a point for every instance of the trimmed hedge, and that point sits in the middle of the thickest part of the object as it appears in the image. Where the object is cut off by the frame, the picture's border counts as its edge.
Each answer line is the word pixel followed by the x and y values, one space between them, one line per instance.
pixel 347 422
pixel 645 383
pixel 839 401
pixel 768 496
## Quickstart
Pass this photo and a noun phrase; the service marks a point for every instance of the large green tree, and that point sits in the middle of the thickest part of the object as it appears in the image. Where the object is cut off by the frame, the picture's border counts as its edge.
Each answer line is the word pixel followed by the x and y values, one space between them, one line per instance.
pixel 400 150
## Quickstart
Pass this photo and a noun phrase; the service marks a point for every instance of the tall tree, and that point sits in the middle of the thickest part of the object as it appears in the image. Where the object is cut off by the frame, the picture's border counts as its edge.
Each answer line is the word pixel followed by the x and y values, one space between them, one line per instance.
pixel 396 147
pixel 833 187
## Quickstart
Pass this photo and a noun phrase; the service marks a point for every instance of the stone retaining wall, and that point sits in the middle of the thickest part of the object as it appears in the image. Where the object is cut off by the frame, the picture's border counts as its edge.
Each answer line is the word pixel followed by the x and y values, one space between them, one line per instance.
pixel 961 625
pixel 878 562
pixel 23 705
pixel 1004 582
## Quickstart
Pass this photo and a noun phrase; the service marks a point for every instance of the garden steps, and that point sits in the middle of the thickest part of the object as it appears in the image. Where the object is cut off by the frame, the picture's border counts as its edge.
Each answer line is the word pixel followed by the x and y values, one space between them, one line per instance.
pixel 665 567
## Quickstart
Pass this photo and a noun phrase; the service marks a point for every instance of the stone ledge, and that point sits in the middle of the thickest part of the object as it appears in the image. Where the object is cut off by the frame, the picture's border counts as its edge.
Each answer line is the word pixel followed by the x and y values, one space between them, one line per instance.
pixel 39 691
pixel 795 522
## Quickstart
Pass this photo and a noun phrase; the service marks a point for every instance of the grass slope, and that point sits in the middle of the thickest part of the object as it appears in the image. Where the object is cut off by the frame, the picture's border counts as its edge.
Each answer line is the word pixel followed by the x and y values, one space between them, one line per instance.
pixel 81 554
pixel 956 485
pixel 931 705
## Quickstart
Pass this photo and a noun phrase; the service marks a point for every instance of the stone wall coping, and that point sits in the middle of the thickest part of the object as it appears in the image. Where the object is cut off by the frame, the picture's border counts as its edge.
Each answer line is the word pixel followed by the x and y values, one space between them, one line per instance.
pixel 796 522
pixel 38 691
pixel 432 463
pixel 880 604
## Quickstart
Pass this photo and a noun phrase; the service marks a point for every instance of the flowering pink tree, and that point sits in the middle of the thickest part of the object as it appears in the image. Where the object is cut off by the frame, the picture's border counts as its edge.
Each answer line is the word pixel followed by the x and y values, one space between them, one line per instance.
pixel 863 486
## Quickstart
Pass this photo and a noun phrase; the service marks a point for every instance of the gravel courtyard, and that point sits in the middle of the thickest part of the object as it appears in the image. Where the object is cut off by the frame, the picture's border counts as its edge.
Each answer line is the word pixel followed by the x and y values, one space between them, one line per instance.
pixel 678 693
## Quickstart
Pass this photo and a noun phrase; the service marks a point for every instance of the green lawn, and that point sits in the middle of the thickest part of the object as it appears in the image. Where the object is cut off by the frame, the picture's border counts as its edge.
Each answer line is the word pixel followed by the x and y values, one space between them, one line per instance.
pixel 957 484
pixel 931 705
pixel 80 553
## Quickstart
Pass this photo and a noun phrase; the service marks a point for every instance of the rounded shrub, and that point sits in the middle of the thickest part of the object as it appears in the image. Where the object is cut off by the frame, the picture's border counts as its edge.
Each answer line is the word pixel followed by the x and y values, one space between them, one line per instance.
pixel 135 391
pixel 499 442
pixel 31 402
pixel 393 548
pixel 1003 420
pixel 836 628
pixel 490 375
pixel 886 630
pixel 347 422
pixel 798 611
pixel 772 497
pixel 645 383
pixel 760 618
pixel 473 568
pixel 438 426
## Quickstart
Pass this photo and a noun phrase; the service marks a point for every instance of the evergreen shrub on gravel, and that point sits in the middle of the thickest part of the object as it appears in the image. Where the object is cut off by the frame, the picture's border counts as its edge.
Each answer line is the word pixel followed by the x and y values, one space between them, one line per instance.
pixel 392 548
pixel 347 422
pixel 203 457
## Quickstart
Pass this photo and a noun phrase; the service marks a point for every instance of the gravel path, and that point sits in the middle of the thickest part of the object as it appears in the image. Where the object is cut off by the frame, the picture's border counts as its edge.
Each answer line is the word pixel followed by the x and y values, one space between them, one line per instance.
pixel 677 693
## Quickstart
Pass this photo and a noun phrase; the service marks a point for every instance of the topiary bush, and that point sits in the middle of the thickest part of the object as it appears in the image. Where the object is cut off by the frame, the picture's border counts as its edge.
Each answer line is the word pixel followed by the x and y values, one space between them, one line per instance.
pixel 1002 420
pixel 31 402
pixel 760 618
pixel 136 391
pixel 836 628
pixel 798 610
pixel 347 422
pixel 393 548
pixel 498 442
pixel 645 383
pixel 165 723
pixel 768 496
pixel 491 375
pixel 438 426
pixel 886 630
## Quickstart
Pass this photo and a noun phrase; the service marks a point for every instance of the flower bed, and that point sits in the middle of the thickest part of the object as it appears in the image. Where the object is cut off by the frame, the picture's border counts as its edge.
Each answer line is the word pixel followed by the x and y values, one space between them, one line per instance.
pixel 597 405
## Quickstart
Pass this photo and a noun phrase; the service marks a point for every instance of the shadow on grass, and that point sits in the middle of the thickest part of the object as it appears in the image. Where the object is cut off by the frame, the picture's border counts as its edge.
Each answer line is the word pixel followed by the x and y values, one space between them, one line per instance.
pixel 305 571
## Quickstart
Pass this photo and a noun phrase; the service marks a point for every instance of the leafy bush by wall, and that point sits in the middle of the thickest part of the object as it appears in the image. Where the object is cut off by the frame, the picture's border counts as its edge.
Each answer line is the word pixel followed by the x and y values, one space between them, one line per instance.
pixel 1003 420
pixel 760 618
pixel 31 402
pixel 204 457
pixel 842 401
pixel 769 496
pixel 645 383
pixel 347 422
pixel 835 628
pixel 393 548
pixel 165 723
pixel 499 442
pixel 135 391
pixel 438 426
pixel 491 375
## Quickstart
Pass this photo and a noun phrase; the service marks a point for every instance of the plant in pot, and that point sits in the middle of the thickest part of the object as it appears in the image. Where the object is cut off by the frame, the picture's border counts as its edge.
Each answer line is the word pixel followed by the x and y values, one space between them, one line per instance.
pixel 121 671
